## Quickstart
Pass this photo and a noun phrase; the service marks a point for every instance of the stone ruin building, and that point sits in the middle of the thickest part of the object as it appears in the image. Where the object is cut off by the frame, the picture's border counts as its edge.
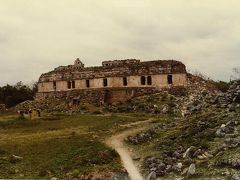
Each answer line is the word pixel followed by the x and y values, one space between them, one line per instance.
pixel 117 80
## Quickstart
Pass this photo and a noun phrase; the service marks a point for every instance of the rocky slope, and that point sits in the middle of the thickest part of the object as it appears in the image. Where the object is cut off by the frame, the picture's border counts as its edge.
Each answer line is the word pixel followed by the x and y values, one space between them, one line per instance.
pixel 196 135
pixel 203 143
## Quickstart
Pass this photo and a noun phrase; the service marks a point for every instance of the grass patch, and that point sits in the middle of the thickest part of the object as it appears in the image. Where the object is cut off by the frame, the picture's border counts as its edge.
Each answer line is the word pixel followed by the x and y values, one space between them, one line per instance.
pixel 58 157
pixel 60 145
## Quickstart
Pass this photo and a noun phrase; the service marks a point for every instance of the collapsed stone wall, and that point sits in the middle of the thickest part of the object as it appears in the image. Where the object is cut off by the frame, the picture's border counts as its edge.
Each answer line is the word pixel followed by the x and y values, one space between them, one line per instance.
pixel 157 81
pixel 97 96
pixel 93 97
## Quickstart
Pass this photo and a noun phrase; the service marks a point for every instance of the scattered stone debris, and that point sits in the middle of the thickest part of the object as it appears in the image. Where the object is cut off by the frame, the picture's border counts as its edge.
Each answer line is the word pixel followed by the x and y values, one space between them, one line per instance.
pixel 229 161
pixel 144 136
pixel 156 166
pixel 223 124
pixel 178 167
pixel 231 98
pixel 236 177
pixel 233 93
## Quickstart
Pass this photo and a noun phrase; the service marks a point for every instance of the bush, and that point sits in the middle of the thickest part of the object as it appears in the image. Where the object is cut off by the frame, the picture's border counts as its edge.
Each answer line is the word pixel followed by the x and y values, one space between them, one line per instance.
pixel 221 85
pixel 13 95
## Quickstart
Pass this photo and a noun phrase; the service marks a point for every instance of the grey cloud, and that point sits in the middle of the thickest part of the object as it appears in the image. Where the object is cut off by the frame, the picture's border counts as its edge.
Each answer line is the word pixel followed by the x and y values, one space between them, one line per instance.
pixel 36 36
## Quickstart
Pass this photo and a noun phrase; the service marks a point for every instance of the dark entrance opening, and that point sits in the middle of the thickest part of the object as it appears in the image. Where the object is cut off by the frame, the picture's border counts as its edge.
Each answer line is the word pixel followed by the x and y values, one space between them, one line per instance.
pixel 87 83
pixel 149 80
pixel 125 83
pixel 73 84
pixel 143 80
pixel 170 79
pixel 54 85
pixel 69 85
pixel 105 82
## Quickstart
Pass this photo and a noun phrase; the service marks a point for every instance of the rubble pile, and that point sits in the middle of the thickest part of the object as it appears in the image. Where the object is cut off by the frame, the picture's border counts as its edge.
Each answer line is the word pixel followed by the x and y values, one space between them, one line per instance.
pixel 221 124
pixel 56 106
pixel 226 129
pixel 183 158
pixel 199 96
pixel 233 93
pixel 231 98
pixel 158 103
pixel 230 161
pixel 46 105
pixel 144 136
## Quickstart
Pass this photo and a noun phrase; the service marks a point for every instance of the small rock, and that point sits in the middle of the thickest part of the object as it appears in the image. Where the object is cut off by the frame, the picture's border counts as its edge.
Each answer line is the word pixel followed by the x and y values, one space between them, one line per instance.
pixel 188 152
pixel 208 155
pixel 152 175
pixel 136 158
pixel 14 158
pixel 178 167
pixel 191 170
pixel 200 157
pixel 235 177
pixel 198 153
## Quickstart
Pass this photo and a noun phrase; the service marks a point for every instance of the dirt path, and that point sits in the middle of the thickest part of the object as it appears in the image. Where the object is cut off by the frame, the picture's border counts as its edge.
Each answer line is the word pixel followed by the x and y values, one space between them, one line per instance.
pixel 117 143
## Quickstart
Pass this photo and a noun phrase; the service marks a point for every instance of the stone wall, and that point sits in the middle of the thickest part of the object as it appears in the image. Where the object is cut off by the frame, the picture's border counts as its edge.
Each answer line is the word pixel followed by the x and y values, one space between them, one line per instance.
pixel 158 81
pixel 98 96
pixel 120 62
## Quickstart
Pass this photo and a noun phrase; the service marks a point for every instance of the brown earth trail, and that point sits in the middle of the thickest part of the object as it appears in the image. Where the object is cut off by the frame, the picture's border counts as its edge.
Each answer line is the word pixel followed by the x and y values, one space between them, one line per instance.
pixel 117 143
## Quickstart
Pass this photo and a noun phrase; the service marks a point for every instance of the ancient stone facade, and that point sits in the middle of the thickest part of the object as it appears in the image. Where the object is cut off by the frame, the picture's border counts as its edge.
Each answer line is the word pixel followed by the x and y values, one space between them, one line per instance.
pixel 116 80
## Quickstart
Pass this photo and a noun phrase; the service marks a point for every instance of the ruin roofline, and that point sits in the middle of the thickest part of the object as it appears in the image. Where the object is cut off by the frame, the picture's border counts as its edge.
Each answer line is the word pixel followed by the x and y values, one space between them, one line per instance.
pixel 139 63
pixel 126 67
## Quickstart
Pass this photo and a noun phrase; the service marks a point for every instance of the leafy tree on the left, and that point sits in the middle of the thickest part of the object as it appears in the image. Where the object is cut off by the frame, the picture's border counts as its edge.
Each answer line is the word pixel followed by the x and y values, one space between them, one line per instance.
pixel 13 95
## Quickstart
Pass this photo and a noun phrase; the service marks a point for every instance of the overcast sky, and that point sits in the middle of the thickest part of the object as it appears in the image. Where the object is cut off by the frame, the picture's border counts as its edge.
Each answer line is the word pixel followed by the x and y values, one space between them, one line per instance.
pixel 39 35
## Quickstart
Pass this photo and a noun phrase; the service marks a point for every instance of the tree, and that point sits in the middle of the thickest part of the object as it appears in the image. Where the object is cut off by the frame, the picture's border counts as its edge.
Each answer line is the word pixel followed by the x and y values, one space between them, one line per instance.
pixel 13 95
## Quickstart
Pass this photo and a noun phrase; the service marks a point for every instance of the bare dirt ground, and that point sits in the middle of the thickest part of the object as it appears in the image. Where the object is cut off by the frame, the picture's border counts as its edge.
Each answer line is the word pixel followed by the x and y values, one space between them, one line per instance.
pixel 117 143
